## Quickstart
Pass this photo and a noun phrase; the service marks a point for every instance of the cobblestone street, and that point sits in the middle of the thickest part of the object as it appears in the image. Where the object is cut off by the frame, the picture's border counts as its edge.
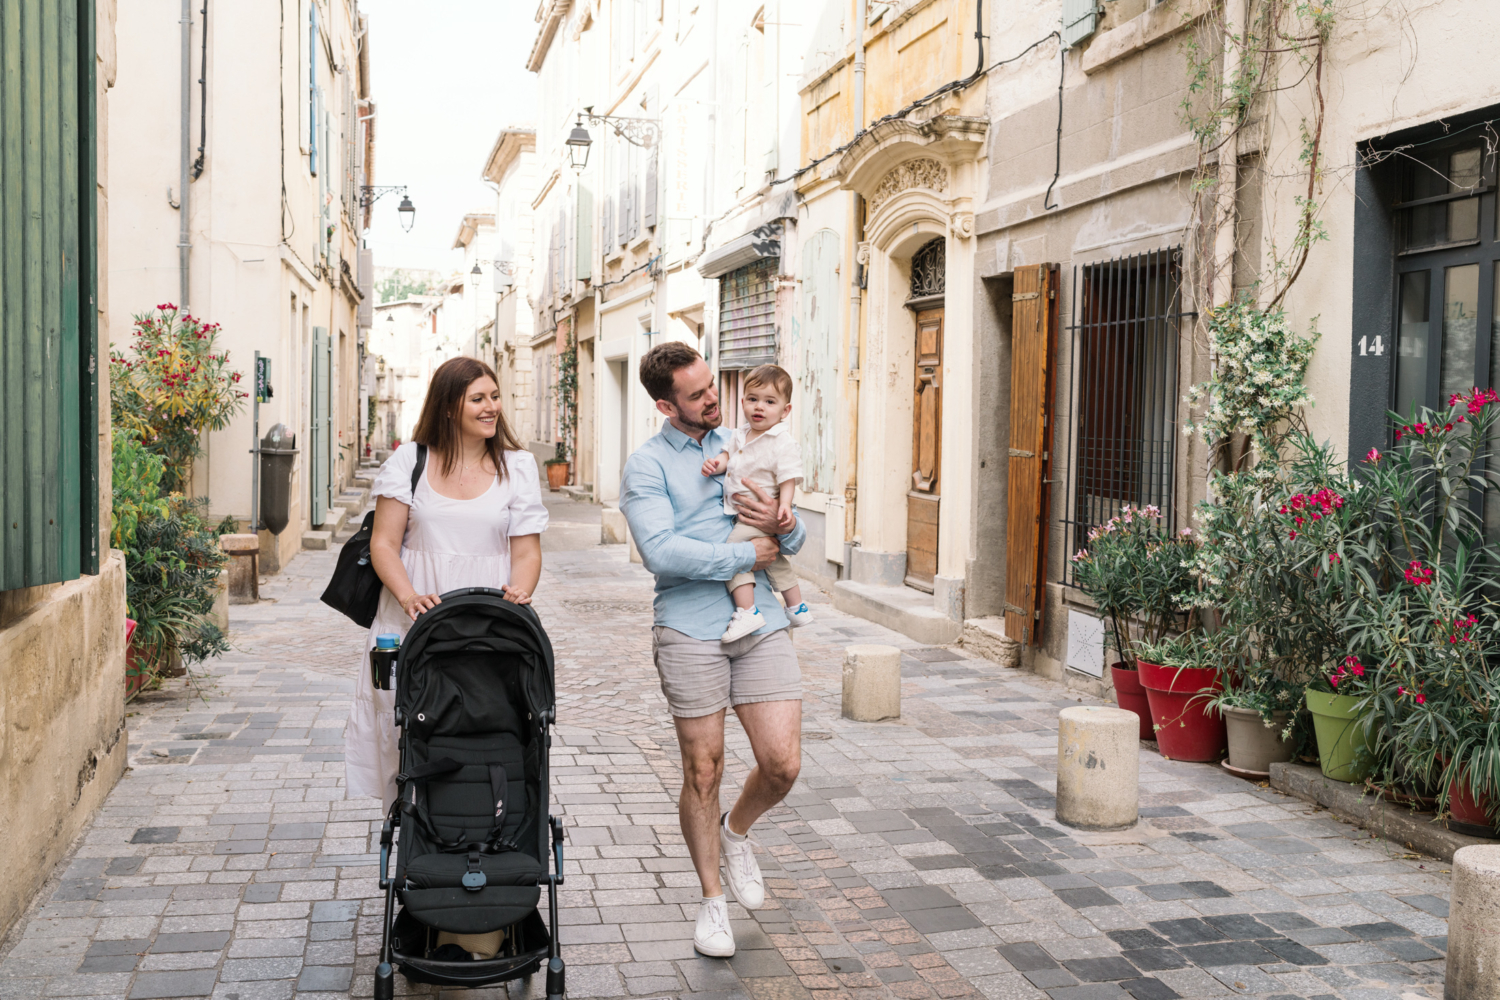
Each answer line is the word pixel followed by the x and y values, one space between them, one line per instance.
pixel 914 859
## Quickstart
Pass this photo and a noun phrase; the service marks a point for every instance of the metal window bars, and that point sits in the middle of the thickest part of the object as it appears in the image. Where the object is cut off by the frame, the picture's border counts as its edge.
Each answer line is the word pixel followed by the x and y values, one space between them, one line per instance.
pixel 1124 330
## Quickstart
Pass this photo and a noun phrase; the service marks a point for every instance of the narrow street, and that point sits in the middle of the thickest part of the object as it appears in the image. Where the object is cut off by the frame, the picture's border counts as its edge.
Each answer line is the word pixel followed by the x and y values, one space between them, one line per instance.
pixel 914 859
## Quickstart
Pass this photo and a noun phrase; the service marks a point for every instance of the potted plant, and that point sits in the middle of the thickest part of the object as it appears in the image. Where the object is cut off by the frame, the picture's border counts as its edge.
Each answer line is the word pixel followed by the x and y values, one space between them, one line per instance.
pixel 1133 572
pixel 557 468
pixel 1182 678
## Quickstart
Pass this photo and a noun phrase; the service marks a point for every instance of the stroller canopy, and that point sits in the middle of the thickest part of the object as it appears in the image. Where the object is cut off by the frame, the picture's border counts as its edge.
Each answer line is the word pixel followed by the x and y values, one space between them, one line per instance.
pixel 474 630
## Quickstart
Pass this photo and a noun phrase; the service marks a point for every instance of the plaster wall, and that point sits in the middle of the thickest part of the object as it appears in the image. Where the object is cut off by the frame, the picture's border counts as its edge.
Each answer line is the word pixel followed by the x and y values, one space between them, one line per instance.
pixel 254 267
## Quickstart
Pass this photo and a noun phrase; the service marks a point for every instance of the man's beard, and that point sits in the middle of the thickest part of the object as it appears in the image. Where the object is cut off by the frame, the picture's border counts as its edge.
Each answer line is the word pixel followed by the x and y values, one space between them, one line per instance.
pixel 703 423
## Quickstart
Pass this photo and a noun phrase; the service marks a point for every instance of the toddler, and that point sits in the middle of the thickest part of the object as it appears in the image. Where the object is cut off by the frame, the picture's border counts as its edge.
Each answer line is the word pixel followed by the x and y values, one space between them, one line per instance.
pixel 762 452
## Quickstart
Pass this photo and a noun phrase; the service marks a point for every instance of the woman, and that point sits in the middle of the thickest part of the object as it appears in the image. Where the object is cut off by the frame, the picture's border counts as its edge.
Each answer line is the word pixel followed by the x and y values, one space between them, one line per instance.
pixel 474 520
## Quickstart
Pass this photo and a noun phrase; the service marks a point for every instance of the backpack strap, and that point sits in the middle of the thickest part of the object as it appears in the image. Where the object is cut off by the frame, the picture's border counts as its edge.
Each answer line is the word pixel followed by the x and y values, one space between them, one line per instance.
pixel 416 470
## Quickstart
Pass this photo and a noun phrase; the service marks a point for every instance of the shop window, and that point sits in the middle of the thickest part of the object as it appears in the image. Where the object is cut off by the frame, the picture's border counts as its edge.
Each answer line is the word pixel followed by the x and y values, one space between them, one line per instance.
pixel 1125 326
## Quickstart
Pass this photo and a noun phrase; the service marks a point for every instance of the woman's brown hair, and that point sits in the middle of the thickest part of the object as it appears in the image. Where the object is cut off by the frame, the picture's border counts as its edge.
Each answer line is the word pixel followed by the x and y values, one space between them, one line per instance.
pixel 438 427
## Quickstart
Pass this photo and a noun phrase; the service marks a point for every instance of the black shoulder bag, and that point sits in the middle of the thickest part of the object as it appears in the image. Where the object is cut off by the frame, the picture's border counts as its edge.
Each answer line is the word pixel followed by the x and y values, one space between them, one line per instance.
pixel 354 589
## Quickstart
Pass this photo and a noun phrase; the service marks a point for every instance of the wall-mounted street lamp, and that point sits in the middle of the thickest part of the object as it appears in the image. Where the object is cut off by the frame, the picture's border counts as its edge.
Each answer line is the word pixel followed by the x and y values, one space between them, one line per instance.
pixel 505 271
pixel 636 131
pixel 369 194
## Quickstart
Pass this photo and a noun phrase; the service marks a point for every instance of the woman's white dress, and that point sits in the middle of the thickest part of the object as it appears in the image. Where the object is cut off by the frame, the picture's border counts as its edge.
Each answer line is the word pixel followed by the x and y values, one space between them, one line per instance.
pixel 449 544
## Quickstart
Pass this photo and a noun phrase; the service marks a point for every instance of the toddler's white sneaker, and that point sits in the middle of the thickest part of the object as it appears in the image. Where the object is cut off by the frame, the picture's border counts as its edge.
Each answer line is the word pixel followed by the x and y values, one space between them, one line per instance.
pixel 745 621
pixel 800 615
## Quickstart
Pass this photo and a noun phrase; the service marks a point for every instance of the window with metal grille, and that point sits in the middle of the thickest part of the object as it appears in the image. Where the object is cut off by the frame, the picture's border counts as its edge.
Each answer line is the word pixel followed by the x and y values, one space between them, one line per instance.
pixel 747 315
pixel 1125 321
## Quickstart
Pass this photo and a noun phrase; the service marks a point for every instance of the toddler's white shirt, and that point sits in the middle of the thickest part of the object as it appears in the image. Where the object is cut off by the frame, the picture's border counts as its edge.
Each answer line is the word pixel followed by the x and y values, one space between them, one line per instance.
pixel 769 460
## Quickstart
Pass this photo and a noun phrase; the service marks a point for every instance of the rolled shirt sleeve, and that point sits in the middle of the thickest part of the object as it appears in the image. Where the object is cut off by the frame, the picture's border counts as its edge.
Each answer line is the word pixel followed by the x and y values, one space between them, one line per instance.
pixel 652 518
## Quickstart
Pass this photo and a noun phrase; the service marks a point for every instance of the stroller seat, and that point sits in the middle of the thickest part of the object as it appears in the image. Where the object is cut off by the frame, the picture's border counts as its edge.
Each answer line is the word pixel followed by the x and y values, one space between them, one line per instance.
pixel 474 702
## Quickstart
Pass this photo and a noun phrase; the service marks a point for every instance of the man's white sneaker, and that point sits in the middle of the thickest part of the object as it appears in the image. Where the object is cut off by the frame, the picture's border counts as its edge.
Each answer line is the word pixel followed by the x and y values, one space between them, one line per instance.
pixel 800 615
pixel 745 879
pixel 712 936
pixel 745 621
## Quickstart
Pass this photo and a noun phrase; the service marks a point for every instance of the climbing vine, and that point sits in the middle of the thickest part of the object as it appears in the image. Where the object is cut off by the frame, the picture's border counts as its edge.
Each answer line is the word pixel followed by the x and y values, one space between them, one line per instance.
pixel 567 396
pixel 1280 49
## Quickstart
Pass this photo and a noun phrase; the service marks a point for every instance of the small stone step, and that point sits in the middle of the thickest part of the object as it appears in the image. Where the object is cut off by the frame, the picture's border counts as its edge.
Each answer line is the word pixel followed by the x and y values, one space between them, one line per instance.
pixel 316 540
pixel 584 492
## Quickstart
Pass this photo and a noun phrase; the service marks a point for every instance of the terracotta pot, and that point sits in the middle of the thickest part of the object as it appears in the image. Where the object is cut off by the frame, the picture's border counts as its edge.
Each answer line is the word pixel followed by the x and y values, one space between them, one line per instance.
pixel 1469 813
pixel 1186 727
pixel 1130 696
pixel 1253 745
pixel 557 475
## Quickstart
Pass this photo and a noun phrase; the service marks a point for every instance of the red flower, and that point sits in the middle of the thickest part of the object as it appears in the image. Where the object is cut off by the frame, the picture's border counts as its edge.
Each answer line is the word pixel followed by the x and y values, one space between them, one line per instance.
pixel 1421 699
pixel 1415 573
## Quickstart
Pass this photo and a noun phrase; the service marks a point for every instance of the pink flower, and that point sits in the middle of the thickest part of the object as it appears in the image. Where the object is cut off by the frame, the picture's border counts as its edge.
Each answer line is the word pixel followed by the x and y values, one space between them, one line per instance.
pixel 1373 455
pixel 1419 429
pixel 1292 535
pixel 1333 557
pixel 1415 573
pixel 1400 690
pixel 1421 699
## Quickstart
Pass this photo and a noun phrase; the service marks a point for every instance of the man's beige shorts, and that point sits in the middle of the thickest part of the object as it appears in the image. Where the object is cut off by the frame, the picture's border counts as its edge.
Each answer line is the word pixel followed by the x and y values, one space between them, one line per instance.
pixel 783 576
pixel 702 676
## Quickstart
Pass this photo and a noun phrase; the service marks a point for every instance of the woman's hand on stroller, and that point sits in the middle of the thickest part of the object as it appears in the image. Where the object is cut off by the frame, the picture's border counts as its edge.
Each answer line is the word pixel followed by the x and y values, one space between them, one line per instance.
pixel 415 604
pixel 516 595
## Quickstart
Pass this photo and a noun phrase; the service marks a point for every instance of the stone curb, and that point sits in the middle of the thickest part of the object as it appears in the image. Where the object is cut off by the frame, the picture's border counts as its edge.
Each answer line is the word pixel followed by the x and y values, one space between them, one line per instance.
pixel 1418 831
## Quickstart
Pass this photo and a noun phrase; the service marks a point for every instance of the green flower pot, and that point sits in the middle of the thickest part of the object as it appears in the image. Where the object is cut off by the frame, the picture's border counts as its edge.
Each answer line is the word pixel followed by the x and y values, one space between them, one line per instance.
pixel 1340 737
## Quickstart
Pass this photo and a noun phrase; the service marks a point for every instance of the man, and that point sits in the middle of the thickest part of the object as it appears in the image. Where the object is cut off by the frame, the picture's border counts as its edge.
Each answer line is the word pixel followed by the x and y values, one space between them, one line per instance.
pixel 676 516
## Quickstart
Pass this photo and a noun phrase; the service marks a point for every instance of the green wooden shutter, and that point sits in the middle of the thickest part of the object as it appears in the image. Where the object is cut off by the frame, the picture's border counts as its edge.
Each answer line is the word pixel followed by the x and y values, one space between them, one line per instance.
pixel 321 452
pixel 48 402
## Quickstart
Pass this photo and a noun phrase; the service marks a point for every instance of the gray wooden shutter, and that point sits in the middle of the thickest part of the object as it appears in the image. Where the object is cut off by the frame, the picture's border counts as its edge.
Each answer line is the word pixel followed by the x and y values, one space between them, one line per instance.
pixel 48 402
pixel 607 226
pixel 624 210
pixel 1079 18
pixel 583 240
pixel 648 211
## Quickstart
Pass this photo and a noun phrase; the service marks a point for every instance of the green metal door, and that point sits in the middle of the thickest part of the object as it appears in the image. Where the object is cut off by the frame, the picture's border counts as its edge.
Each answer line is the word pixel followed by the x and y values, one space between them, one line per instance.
pixel 321 423
pixel 48 318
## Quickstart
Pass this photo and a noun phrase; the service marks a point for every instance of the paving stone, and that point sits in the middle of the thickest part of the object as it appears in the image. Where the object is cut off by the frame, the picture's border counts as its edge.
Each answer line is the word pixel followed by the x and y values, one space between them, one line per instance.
pixel 919 861
pixel 152 985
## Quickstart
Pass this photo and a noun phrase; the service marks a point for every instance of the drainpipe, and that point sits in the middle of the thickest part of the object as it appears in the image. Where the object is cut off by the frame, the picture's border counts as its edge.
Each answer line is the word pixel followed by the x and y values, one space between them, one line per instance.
pixel 184 240
pixel 711 162
pixel 851 385
pixel 1222 289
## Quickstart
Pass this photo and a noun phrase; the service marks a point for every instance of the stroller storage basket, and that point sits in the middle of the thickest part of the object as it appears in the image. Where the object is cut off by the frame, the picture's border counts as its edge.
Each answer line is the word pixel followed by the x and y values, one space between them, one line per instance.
pixel 474 702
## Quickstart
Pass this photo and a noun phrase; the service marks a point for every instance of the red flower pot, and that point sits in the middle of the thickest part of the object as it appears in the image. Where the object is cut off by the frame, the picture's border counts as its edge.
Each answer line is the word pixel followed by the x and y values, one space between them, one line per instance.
pixel 1469 811
pixel 1130 696
pixel 1186 728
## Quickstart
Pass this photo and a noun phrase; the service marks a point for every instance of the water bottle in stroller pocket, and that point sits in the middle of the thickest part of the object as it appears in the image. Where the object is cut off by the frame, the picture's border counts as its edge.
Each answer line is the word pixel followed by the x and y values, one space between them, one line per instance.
pixel 383 660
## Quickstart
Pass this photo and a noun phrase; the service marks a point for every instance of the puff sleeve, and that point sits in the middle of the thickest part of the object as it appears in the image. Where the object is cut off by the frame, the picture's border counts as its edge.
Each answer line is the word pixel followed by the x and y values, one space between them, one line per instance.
pixel 528 515
pixel 394 478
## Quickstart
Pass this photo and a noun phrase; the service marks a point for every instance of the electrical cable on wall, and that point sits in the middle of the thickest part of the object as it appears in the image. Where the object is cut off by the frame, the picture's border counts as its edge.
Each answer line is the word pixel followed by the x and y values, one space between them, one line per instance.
pixel 1062 72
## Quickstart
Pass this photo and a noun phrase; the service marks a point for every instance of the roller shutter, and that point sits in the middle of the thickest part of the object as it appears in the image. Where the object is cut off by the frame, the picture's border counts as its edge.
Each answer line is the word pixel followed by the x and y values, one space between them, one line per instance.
pixel 747 315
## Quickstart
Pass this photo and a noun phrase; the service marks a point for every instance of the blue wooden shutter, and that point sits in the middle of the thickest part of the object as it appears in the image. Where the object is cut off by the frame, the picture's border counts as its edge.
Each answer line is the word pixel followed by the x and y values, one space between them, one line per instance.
pixel 321 424
pixel 48 458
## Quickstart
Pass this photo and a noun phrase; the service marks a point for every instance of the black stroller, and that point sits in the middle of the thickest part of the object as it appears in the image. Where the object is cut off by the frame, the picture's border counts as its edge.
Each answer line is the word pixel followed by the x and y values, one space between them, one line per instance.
pixel 475 705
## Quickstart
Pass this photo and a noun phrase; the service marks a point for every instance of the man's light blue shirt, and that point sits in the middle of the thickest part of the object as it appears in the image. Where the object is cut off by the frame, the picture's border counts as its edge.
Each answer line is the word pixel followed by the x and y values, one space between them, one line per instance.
pixel 677 520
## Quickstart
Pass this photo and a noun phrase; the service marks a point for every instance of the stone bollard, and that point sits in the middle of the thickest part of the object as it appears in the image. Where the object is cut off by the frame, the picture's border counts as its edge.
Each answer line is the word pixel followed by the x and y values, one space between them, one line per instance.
pixel 244 574
pixel 1098 767
pixel 612 528
pixel 872 683
pixel 1474 925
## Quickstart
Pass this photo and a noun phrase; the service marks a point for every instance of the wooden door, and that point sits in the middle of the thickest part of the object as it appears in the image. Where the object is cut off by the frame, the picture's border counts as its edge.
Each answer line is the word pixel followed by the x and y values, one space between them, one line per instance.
pixel 1033 337
pixel 926 452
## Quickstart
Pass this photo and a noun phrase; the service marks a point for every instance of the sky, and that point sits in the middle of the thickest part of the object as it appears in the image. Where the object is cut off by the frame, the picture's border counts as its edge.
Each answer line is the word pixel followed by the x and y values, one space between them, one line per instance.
pixel 446 76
